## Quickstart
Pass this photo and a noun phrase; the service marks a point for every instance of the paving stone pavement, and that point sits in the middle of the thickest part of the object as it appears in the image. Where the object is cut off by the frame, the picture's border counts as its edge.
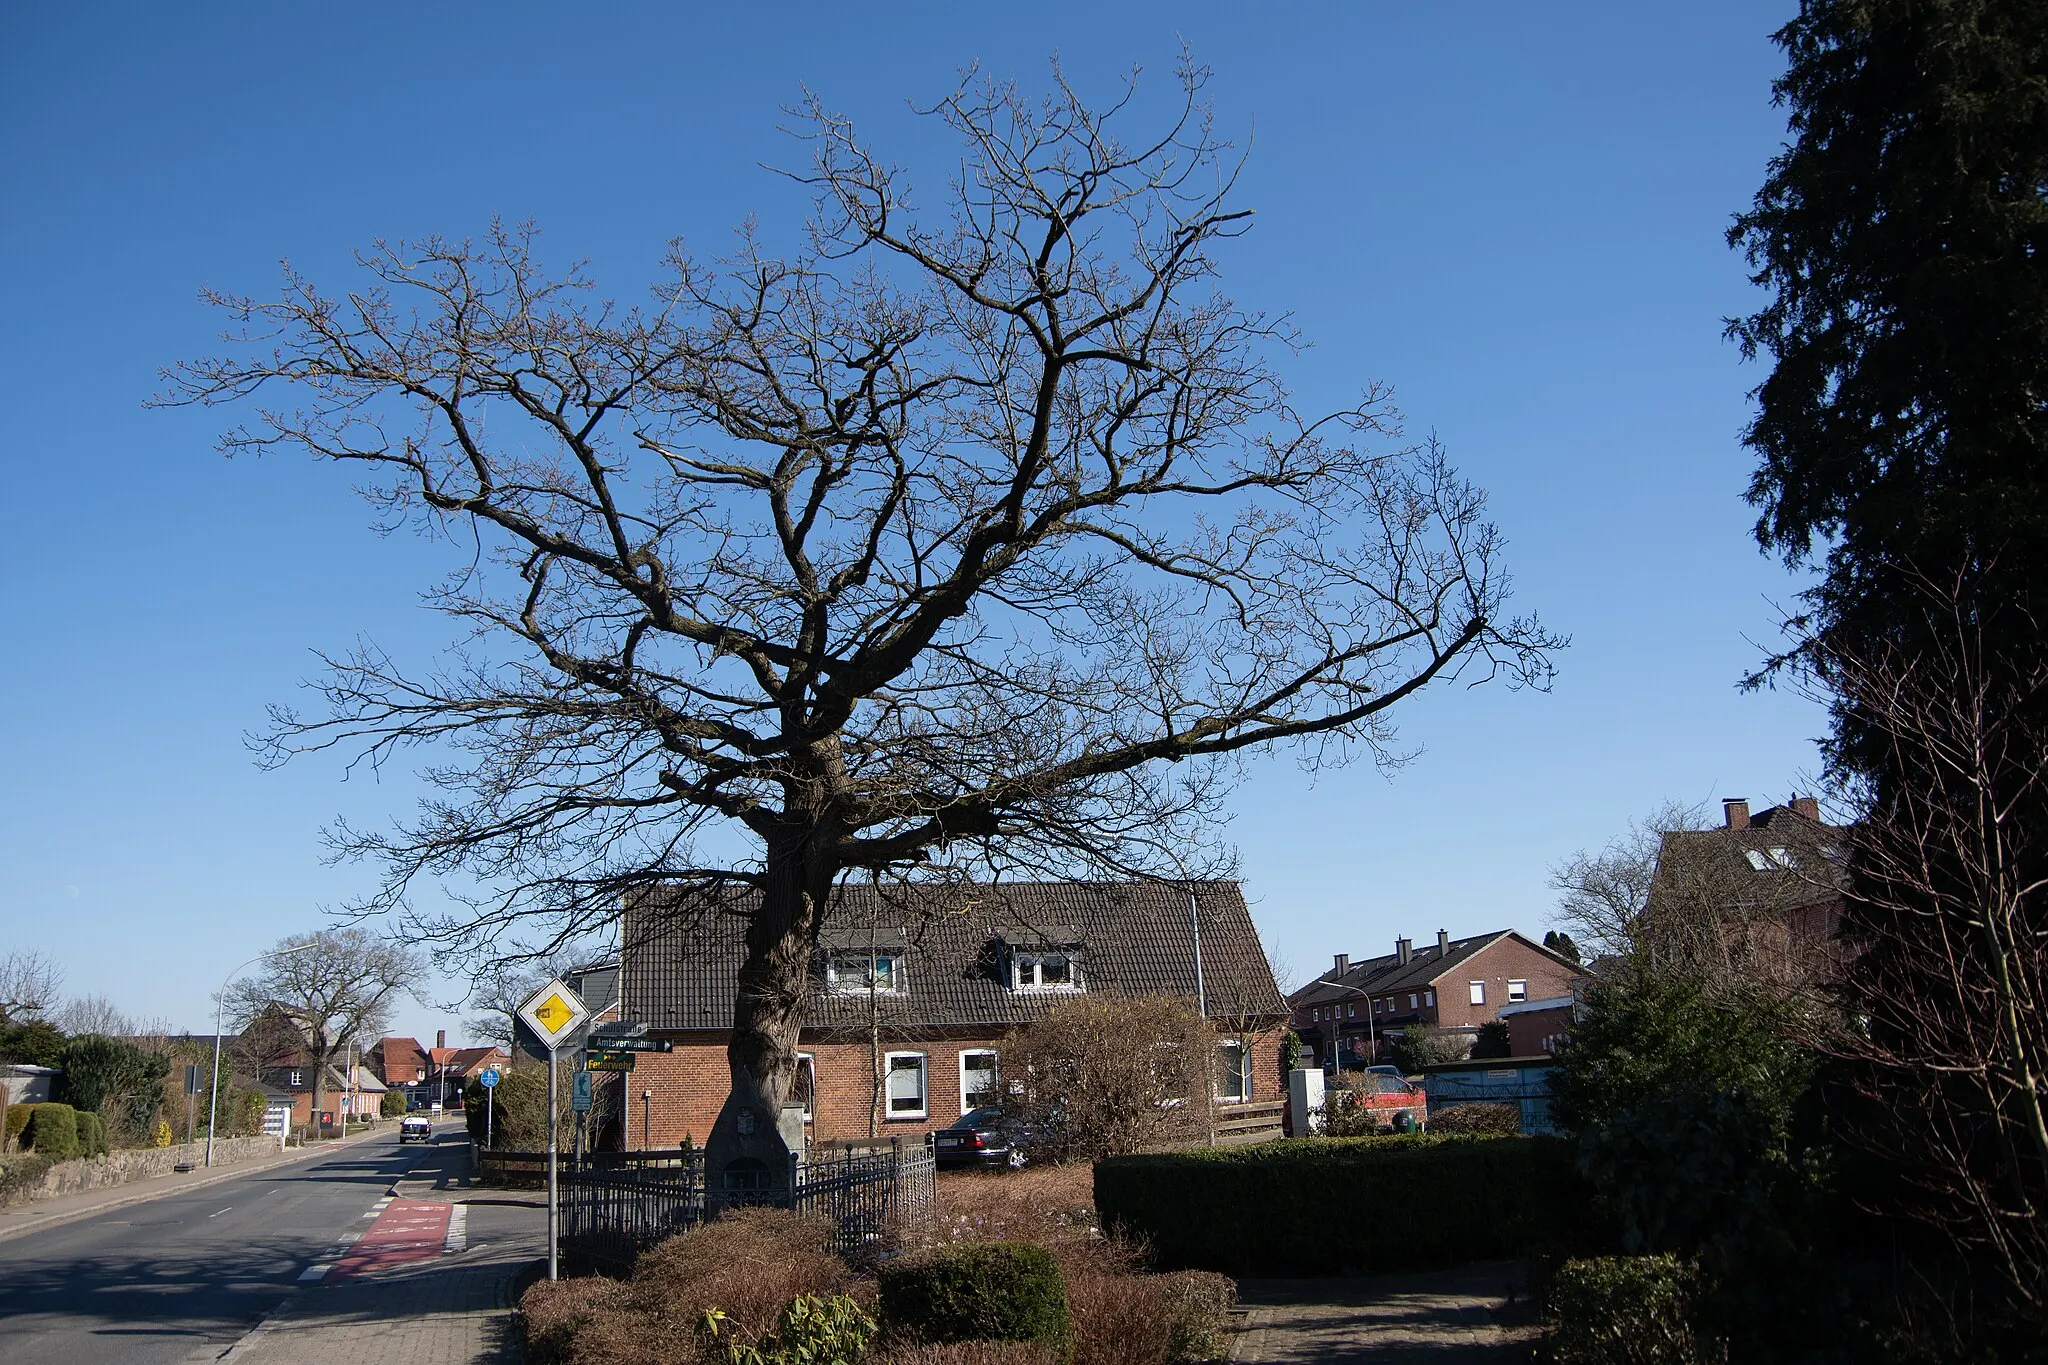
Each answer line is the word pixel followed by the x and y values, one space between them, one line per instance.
pixel 456 1310
pixel 1470 1315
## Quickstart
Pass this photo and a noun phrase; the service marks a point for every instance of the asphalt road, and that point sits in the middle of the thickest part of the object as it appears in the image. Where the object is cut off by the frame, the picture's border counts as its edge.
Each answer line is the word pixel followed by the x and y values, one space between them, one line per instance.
pixel 181 1278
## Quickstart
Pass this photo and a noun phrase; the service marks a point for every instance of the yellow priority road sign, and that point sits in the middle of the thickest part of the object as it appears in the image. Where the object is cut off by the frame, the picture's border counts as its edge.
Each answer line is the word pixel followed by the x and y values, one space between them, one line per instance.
pixel 552 1012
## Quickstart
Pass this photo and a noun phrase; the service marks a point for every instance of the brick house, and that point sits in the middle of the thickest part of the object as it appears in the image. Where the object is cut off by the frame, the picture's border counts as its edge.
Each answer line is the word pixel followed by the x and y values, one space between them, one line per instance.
pixel 1775 878
pixel 919 986
pixel 1454 985
pixel 400 1062
pixel 1539 1028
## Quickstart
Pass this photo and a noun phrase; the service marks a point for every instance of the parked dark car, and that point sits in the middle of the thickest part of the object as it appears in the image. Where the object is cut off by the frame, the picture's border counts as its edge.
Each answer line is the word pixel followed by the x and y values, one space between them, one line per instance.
pixel 987 1139
pixel 416 1128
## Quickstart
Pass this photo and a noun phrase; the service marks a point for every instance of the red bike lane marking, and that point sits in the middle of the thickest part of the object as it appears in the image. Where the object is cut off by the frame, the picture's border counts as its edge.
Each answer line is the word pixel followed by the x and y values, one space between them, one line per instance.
pixel 406 1231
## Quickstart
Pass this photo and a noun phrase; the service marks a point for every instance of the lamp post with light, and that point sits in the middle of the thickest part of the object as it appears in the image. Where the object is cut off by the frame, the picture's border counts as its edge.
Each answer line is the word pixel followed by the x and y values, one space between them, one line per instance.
pixel 213 1094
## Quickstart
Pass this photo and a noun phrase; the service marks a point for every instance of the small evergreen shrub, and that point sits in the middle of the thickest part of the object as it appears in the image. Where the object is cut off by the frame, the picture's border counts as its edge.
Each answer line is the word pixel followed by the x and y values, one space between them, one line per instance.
pixel 996 1291
pixel 811 1331
pixel 20 1172
pixel 17 1119
pixel 1627 1310
pixel 160 1136
pixel 92 1134
pixel 52 1131
pixel 392 1106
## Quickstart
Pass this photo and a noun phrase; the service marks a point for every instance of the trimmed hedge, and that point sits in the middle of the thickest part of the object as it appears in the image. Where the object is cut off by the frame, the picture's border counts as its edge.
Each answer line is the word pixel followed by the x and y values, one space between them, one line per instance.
pixel 1626 1310
pixel 17 1120
pixel 998 1291
pixel 52 1131
pixel 92 1134
pixel 1318 1205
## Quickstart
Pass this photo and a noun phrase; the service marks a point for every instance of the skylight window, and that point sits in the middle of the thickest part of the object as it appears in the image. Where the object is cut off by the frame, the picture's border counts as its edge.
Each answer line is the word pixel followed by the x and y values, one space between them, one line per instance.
pixel 1769 860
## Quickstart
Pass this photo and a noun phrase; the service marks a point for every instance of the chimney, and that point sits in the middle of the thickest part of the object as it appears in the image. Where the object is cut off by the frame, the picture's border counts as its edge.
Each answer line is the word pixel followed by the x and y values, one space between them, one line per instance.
pixel 441 1038
pixel 1806 806
pixel 1343 965
pixel 1403 950
pixel 1443 944
pixel 1735 811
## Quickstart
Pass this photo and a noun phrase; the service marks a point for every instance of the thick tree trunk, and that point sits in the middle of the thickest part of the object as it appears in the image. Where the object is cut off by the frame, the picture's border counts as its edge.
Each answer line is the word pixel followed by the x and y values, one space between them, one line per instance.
pixel 774 979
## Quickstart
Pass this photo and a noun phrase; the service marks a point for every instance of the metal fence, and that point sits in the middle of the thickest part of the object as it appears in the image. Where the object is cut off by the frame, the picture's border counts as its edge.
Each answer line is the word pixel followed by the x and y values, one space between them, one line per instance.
pixel 619 1204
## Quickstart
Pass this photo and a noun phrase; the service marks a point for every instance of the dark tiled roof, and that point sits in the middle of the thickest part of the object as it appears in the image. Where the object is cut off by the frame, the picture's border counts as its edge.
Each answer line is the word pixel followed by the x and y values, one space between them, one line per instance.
pixel 681 956
pixel 1722 863
pixel 1425 967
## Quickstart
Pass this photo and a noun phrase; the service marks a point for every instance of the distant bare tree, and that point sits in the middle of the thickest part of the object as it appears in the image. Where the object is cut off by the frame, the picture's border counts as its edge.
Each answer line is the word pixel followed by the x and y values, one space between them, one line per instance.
pixel 29 985
pixel 986 535
pixel 1604 896
pixel 1948 906
pixel 95 1014
pixel 340 991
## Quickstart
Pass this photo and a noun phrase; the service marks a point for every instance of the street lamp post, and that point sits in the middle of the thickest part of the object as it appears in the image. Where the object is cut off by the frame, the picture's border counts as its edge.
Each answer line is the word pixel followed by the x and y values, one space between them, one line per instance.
pixel 213 1094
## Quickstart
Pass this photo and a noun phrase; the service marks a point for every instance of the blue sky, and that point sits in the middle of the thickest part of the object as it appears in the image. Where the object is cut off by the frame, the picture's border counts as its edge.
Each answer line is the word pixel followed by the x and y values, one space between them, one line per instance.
pixel 1514 214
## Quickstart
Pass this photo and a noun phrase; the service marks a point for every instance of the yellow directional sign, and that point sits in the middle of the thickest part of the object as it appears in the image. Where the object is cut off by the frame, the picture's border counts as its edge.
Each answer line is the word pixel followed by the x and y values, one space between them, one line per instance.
pixel 552 1012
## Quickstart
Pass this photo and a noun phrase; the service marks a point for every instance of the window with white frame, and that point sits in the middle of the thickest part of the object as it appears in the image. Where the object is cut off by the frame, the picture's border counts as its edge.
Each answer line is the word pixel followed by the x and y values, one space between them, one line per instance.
pixel 1478 989
pixel 1518 990
pixel 1351 1011
pixel 1045 971
pixel 295 1079
pixel 806 1084
pixel 1411 1000
pixel 1233 1072
pixel 904 1084
pixel 1429 999
pixel 876 970
pixel 980 1080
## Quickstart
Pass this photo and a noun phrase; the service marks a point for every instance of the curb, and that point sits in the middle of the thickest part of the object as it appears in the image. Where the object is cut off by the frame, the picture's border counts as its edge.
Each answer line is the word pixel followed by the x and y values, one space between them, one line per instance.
pixel 144 1196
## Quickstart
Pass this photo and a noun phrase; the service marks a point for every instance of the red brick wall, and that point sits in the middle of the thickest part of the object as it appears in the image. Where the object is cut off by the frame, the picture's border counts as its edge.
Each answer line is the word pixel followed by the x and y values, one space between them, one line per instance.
pixel 1497 964
pixel 689 1085
pixel 1536 1031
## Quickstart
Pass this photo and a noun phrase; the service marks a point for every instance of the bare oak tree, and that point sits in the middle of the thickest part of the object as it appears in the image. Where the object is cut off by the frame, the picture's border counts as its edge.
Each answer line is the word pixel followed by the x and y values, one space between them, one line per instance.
pixel 29 983
pixel 984 536
pixel 339 992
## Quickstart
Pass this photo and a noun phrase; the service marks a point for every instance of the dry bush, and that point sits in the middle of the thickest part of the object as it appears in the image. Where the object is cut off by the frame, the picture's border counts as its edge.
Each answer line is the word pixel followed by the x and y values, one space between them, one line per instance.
pixel 1042 1204
pixel 1105 1074
pixel 970 1353
pixel 1122 1316
pixel 1495 1119
pixel 751 1263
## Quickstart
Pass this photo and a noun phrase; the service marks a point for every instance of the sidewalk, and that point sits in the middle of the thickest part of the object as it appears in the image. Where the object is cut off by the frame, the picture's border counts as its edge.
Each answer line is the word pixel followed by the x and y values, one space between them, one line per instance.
pixel 16 1219
pixel 456 1310
pixel 1468 1315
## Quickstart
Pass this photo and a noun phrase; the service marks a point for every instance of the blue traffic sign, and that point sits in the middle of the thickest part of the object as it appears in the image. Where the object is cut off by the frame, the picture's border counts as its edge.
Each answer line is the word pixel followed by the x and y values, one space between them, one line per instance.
pixel 488 1077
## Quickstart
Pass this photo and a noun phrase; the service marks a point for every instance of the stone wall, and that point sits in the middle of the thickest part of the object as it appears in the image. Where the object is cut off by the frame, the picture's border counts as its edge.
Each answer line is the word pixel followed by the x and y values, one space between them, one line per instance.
pixel 140 1163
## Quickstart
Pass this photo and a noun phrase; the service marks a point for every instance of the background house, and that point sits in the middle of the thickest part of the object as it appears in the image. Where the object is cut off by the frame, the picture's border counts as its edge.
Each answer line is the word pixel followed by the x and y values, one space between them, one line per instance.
pixel 914 990
pixel 1760 897
pixel 1455 985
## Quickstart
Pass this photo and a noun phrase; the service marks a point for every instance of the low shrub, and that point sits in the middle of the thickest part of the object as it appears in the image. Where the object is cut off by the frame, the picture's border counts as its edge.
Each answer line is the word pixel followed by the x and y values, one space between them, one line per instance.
pixel 160 1136
pixel 392 1106
pixel 92 1134
pixel 749 1265
pixel 1627 1310
pixel 811 1331
pixel 1493 1120
pixel 1275 1208
pixel 1200 1301
pixel 1043 1204
pixel 52 1131
pixel 17 1119
pixel 995 1291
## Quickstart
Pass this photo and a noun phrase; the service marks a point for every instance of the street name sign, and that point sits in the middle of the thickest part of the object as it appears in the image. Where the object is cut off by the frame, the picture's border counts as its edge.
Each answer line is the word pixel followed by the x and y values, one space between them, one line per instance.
pixel 608 1043
pixel 618 1028
pixel 553 1012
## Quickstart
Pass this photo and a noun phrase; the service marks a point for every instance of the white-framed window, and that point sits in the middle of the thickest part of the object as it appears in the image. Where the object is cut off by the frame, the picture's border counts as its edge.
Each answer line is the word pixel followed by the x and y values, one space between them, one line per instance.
pixel 861 972
pixel 1351 1011
pixel 1233 1072
pixel 1411 1000
pixel 903 1085
pixel 1429 999
pixel 1478 989
pixel 1518 990
pixel 805 1087
pixel 1316 1015
pixel 980 1079
pixel 1048 971
pixel 295 1079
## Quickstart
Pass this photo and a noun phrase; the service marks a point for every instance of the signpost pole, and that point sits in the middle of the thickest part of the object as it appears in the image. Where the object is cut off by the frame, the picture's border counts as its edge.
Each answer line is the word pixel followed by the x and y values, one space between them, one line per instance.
pixel 553 1119
pixel 490 1112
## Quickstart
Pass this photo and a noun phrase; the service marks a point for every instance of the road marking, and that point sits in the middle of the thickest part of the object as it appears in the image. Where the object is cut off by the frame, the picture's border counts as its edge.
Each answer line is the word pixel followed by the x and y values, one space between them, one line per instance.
pixel 315 1272
pixel 458 1229
pixel 216 1215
